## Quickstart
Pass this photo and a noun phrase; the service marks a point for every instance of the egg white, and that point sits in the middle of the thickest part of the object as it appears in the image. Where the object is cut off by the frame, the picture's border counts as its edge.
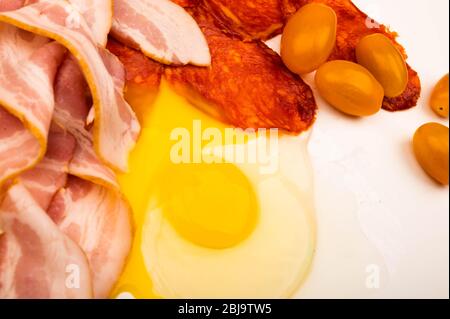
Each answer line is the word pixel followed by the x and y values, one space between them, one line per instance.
pixel 273 261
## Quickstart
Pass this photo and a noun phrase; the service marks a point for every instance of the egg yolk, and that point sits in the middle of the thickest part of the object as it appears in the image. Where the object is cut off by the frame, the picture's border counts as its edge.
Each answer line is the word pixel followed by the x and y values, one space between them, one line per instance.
pixel 212 206
pixel 209 205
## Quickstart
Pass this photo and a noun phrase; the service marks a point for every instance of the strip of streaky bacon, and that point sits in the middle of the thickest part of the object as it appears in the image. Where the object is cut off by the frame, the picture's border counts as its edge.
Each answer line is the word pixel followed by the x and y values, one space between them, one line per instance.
pixel 116 127
pixel 19 149
pixel 98 15
pixel 28 64
pixel 71 111
pixel 94 217
pixel 36 259
pixel 162 30
pixel 99 221
pixel 91 228
pixel 89 209
pixel 50 175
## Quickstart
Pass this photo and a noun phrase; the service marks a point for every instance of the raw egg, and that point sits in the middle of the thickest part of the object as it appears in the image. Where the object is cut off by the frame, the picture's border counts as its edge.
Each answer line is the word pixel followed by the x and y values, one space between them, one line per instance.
pixel 209 222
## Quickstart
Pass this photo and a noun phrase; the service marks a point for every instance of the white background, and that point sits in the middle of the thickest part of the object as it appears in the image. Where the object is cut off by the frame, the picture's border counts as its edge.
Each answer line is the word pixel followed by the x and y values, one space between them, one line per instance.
pixel 378 213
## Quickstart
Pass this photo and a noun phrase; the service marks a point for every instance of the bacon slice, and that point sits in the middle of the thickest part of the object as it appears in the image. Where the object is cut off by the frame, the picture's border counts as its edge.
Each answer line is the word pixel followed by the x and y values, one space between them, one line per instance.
pixel 104 233
pixel 247 84
pixel 29 266
pixel 36 259
pixel 98 15
pixel 50 175
pixel 19 148
pixel 116 127
pixel 162 30
pixel 94 217
pixel 28 64
pixel 90 211
pixel 72 109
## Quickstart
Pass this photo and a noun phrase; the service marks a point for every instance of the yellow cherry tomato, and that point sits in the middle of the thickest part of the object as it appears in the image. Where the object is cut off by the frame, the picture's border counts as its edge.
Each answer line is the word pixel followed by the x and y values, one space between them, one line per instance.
pixel 439 98
pixel 379 55
pixel 309 38
pixel 350 88
pixel 431 145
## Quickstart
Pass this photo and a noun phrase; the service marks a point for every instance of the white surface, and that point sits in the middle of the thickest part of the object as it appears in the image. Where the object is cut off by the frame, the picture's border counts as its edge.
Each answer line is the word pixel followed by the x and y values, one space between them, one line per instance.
pixel 376 208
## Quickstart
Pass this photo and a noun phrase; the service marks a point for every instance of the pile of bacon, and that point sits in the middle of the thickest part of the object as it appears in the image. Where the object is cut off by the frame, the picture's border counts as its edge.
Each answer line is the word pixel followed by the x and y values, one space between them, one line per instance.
pixel 66 128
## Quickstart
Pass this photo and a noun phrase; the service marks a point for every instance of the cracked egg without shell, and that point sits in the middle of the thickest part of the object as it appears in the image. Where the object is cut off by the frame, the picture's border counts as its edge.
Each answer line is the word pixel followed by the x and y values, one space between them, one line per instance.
pixel 227 229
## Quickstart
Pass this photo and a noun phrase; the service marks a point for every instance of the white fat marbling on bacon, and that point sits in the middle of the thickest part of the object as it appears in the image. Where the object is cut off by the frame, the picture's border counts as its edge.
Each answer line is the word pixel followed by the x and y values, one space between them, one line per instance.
pixel 98 220
pixel 116 127
pixel 28 64
pixel 36 259
pixel 162 30
pixel 98 15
